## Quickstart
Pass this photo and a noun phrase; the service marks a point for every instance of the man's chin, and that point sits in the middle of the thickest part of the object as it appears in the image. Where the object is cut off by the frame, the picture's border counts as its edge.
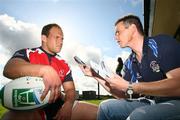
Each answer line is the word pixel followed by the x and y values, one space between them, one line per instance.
pixel 58 50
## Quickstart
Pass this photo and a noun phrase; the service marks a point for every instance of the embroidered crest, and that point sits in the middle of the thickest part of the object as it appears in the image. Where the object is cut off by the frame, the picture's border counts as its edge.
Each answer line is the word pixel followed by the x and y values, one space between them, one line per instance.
pixel 61 73
pixel 155 66
pixel 138 76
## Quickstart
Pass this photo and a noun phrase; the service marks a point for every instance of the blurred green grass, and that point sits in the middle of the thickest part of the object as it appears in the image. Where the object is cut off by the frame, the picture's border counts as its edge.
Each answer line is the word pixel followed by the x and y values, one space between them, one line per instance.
pixel 93 101
pixel 3 110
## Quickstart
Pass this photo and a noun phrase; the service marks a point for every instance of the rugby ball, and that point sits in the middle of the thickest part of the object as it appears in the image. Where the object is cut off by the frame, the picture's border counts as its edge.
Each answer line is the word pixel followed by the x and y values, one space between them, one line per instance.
pixel 23 94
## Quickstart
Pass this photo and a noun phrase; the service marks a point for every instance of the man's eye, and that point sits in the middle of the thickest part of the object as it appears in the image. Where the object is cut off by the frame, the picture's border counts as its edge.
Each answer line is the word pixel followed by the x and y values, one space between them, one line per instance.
pixel 117 33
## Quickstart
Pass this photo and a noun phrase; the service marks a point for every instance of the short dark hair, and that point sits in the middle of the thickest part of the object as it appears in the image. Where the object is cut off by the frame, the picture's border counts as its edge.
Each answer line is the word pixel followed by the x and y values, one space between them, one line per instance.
pixel 131 19
pixel 47 28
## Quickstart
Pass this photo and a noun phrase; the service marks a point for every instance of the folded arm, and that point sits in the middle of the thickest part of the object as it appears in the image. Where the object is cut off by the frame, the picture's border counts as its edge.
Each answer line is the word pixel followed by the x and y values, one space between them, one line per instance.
pixel 17 67
pixel 165 87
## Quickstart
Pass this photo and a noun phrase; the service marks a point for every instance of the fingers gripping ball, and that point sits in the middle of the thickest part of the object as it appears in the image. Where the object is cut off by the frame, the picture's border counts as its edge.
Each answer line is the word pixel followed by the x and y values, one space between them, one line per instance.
pixel 24 94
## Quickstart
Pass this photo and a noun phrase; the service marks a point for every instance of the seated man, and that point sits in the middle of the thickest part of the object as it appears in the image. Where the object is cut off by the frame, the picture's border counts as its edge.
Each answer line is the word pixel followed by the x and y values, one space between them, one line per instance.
pixel 149 88
pixel 46 63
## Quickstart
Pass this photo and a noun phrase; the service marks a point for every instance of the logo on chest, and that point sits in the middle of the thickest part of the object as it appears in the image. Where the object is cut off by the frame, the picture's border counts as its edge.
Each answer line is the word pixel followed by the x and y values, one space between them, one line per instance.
pixel 155 66
pixel 138 75
pixel 61 73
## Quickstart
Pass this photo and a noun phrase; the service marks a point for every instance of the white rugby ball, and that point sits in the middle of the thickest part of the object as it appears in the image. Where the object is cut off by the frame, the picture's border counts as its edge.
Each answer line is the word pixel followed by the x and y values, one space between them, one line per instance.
pixel 24 94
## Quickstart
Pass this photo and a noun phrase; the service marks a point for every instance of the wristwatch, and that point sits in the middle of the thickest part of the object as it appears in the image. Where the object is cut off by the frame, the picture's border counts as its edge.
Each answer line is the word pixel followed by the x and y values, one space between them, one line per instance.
pixel 130 91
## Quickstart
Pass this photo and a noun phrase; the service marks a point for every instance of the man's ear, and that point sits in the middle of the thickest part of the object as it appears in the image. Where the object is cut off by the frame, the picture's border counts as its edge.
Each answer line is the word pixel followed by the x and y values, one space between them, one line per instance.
pixel 43 38
pixel 133 27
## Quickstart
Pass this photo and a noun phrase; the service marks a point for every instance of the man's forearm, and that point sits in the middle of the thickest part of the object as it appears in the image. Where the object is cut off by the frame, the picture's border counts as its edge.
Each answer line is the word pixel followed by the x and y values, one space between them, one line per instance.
pixel 70 96
pixel 166 87
pixel 17 68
